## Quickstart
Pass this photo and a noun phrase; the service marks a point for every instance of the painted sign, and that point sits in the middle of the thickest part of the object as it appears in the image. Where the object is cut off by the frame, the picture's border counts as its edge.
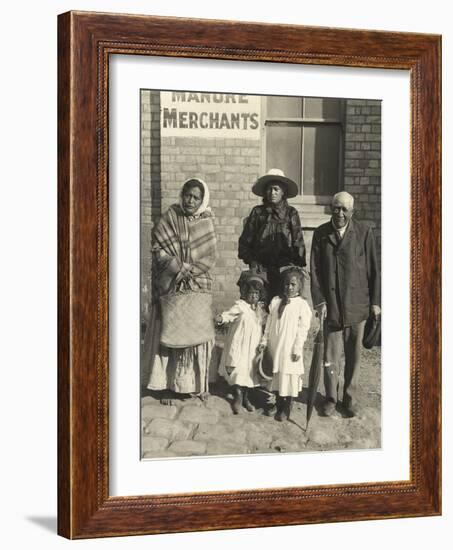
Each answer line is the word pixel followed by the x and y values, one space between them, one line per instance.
pixel 210 115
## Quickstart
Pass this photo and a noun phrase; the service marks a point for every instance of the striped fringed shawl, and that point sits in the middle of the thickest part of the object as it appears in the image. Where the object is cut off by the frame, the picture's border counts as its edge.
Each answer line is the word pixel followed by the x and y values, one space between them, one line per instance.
pixel 177 239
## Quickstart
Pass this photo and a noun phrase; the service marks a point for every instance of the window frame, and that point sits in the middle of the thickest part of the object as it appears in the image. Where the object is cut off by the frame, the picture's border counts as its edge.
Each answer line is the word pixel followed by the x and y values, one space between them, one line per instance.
pixel 304 122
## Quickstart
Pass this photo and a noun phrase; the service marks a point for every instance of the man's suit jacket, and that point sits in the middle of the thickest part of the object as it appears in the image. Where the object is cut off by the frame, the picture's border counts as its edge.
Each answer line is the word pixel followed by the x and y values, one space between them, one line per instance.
pixel 345 273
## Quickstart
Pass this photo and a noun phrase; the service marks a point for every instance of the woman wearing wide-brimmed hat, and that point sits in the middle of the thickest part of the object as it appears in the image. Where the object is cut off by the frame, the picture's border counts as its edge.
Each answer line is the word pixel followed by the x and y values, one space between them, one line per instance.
pixel 272 236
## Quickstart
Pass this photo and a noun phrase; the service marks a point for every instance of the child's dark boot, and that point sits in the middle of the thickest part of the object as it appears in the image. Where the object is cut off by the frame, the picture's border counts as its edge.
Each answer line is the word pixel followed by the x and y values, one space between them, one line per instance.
pixel 288 406
pixel 246 401
pixel 281 409
pixel 237 402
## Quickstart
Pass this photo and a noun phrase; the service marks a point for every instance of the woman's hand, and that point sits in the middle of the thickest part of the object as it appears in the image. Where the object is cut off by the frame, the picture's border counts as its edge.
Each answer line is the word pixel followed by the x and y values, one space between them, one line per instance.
pixel 184 272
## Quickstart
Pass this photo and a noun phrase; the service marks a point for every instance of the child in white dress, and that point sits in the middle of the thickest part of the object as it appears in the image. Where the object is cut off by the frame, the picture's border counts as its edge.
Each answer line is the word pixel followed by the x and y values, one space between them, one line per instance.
pixel 285 334
pixel 246 318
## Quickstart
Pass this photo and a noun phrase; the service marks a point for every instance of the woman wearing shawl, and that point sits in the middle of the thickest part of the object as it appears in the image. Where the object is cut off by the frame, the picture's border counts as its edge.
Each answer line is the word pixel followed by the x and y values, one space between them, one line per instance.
pixel 272 236
pixel 184 252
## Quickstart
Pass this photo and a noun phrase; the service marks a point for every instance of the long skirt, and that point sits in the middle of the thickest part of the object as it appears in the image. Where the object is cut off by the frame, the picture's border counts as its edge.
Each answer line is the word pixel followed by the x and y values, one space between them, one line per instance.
pixel 182 370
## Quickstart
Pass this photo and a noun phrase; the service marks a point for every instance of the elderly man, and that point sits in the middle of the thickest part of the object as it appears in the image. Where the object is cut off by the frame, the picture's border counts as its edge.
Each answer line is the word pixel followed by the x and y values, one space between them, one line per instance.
pixel 345 287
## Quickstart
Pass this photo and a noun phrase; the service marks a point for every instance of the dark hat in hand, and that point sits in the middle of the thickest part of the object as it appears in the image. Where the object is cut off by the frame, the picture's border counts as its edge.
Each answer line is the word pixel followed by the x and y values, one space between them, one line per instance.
pixel 372 332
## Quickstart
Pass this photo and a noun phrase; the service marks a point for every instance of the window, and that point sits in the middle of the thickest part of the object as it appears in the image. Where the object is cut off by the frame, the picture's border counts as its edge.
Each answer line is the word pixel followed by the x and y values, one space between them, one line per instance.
pixel 304 139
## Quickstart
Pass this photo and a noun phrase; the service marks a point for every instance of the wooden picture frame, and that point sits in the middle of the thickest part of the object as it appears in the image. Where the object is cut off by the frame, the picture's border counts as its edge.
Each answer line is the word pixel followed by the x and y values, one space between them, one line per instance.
pixel 85 41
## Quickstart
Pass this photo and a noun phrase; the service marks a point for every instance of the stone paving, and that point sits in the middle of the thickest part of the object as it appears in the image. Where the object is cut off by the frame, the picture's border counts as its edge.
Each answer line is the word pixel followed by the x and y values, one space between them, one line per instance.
pixel 192 427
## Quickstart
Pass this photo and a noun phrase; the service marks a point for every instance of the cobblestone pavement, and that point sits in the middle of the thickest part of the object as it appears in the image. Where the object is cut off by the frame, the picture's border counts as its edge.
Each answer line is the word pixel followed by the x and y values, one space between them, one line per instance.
pixel 192 427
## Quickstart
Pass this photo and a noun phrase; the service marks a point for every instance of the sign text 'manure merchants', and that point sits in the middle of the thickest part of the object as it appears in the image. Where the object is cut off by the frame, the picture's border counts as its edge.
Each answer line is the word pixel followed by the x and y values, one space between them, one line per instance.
pixel 210 115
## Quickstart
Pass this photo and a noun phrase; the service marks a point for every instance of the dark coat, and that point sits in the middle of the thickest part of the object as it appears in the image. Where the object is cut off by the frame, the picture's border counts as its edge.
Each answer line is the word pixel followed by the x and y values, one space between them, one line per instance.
pixel 273 237
pixel 345 273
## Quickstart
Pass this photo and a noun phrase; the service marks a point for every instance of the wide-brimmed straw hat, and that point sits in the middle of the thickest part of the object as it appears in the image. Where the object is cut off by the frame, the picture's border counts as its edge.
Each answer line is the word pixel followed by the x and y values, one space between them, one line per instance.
pixel 277 175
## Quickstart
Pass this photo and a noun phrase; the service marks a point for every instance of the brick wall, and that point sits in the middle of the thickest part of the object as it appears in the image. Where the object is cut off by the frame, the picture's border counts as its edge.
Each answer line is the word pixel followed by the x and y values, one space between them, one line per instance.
pixel 362 160
pixel 151 192
pixel 229 167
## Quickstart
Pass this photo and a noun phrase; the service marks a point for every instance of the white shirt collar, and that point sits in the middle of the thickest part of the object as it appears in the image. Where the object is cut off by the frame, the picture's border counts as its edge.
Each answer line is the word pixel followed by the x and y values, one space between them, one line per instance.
pixel 340 230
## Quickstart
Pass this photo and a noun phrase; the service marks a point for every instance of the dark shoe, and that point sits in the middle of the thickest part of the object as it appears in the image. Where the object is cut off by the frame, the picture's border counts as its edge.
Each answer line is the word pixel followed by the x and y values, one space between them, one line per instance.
pixel 351 411
pixel 237 403
pixel 246 401
pixel 350 408
pixel 329 408
pixel 281 409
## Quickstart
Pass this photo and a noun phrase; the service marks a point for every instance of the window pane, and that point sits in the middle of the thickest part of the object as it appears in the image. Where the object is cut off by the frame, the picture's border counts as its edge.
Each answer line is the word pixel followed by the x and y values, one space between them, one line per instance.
pixel 284 107
pixel 315 107
pixel 283 150
pixel 321 160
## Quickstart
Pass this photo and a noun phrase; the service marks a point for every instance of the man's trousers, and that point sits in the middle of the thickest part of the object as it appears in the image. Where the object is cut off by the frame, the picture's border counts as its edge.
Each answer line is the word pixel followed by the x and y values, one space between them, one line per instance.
pixel 349 338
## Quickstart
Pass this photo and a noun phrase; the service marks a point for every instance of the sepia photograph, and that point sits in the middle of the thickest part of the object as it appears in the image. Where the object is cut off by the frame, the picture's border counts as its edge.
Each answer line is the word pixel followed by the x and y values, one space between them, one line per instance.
pixel 228 194
pixel 260 274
